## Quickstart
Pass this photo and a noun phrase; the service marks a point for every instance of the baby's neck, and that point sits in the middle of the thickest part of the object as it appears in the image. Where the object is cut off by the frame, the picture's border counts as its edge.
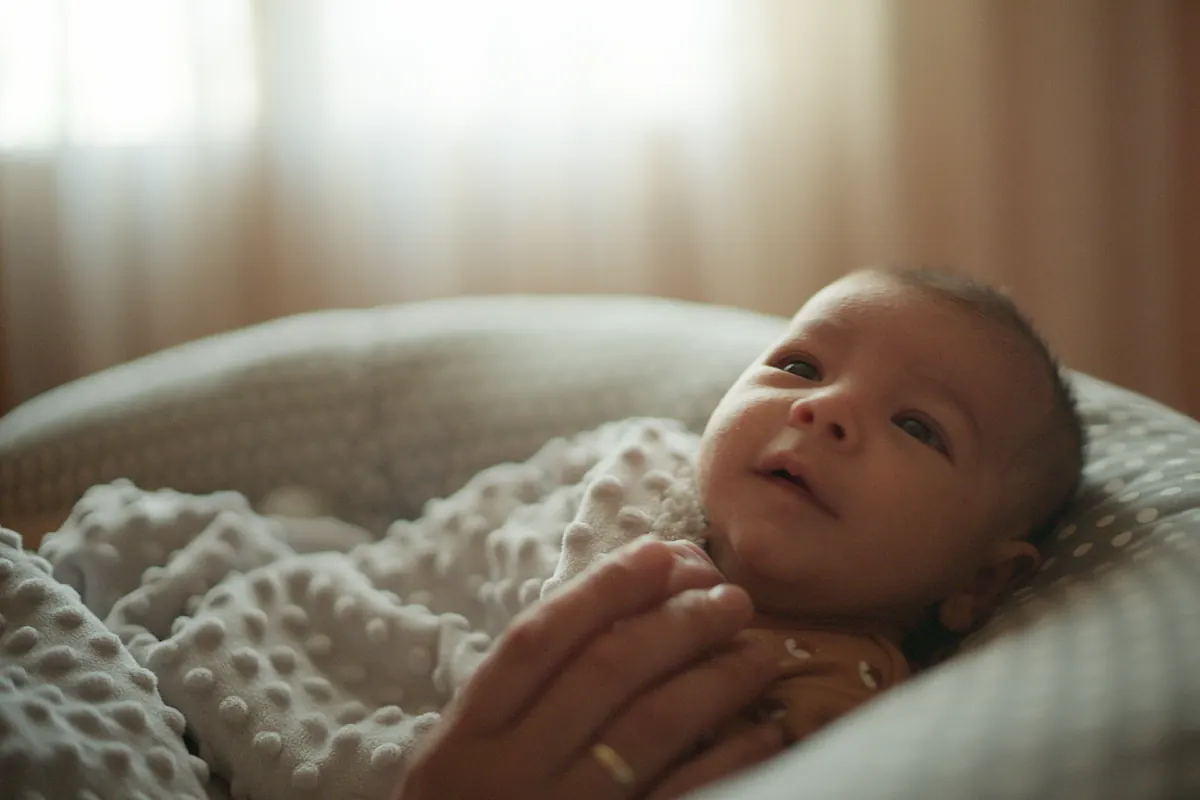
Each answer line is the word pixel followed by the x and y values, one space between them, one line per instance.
pixel 889 630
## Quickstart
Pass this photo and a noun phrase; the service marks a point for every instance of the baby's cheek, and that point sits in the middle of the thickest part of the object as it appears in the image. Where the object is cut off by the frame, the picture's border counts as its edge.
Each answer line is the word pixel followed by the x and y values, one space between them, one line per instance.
pixel 924 566
pixel 707 460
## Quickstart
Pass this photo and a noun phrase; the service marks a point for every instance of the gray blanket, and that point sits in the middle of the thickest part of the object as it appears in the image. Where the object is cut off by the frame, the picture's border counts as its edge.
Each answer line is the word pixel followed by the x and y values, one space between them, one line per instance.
pixel 295 658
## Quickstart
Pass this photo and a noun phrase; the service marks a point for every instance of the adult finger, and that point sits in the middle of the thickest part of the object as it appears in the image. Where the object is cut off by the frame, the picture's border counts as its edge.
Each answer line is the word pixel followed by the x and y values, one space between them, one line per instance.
pixel 692 569
pixel 625 660
pixel 545 636
pixel 668 721
pixel 733 754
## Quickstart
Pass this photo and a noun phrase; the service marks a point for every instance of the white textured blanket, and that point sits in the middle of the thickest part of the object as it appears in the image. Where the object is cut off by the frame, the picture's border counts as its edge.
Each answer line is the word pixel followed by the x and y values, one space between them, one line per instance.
pixel 298 659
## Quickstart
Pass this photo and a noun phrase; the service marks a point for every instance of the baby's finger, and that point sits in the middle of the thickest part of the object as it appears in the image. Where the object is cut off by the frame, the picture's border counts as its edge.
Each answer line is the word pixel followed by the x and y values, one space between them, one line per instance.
pixel 728 756
pixel 693 569
pixel 545 636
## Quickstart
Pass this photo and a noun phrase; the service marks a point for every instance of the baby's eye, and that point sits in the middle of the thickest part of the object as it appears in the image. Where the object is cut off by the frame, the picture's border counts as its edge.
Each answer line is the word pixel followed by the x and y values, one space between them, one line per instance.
pixel 803 368
pixel 922 431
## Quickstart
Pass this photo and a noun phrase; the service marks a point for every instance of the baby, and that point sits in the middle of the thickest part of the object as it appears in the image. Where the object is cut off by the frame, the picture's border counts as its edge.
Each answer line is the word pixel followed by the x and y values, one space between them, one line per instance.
pixel 884 470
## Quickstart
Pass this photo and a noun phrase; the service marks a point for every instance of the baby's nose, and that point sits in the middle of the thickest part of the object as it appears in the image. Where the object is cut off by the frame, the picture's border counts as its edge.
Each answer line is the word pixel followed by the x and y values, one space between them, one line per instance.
pixel 806 416
pixel 827 415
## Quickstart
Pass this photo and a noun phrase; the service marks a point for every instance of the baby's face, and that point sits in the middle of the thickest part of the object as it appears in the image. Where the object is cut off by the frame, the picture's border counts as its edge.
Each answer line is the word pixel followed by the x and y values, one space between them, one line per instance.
pixel 857 469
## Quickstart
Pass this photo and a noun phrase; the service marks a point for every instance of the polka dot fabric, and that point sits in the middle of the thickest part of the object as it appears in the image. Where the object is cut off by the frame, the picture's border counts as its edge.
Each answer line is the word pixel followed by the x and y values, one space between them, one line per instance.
pixel 1140 495
pixel 78 716
pixel 283 403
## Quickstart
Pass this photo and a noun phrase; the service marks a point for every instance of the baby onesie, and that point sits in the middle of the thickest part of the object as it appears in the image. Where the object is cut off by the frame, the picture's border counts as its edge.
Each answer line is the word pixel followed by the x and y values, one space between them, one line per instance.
pixel 825 674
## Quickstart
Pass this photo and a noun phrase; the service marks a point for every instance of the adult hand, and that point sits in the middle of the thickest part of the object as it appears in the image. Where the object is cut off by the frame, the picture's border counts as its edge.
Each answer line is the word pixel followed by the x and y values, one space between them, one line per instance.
pixel 637 655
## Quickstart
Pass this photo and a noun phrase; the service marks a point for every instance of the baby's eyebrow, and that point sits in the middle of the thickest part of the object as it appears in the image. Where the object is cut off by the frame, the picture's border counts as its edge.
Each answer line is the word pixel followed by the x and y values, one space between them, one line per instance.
pixel 823 331
pixel 831 326
pixel 955 398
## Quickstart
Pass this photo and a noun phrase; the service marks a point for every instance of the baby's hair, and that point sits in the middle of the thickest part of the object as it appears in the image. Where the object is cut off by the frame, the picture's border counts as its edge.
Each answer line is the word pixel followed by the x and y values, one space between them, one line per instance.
pixel 1050 464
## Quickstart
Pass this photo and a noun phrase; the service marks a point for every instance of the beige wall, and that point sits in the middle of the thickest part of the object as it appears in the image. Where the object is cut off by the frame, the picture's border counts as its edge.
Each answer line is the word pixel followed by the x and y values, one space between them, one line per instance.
pixel 1186 219
pixel 1047 147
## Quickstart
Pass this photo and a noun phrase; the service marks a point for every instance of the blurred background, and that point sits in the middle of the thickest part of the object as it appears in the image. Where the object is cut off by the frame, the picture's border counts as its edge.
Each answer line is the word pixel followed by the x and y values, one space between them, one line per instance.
pixel 175 168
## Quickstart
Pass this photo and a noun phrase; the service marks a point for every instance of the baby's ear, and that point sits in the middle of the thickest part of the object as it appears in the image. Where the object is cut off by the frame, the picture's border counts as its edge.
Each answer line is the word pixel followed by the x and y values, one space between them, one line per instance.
pixel 1005 564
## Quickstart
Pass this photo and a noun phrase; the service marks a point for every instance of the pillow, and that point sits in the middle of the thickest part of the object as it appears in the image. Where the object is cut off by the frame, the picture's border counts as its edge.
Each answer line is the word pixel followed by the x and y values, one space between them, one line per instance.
pixel 466 383
pixel 374 410
pixel 277 404
pixel 1140 494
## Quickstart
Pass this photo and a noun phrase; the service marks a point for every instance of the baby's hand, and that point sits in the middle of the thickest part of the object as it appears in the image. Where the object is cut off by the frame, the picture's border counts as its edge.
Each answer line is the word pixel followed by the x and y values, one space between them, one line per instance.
pixel 693 569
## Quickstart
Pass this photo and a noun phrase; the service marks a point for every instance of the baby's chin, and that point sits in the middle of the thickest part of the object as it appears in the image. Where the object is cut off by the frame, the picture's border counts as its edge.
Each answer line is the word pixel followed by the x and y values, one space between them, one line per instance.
pixel 794 580
pixel 769 544
pixel 751 561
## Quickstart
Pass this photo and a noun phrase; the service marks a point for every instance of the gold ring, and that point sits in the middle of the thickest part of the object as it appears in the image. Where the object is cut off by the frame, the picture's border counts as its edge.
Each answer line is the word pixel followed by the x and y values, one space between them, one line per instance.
pixel 612 761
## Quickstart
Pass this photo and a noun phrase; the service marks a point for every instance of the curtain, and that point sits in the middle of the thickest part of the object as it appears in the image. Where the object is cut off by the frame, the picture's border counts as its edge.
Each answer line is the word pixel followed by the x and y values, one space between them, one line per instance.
pixel 175 168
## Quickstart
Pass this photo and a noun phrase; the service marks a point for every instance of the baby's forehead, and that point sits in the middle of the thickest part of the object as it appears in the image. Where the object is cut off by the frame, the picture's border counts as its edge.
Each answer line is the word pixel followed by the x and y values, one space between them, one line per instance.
pixel 850 298
pixel 867 307
pixel 919 332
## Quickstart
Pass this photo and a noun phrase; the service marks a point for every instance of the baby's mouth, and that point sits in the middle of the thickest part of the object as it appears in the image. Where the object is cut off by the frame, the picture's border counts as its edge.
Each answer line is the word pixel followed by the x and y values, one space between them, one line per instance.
pixel 799 486
pixel 796 480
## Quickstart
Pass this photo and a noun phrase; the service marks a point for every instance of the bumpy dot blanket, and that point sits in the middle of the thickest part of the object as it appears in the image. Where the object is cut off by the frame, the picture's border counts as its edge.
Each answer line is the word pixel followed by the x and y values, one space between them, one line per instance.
pixel 163 644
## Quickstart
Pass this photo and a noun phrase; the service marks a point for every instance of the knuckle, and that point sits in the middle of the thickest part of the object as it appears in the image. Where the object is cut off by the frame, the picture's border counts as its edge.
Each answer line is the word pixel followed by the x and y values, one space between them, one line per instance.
pixel 631 563
pixel 616 569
